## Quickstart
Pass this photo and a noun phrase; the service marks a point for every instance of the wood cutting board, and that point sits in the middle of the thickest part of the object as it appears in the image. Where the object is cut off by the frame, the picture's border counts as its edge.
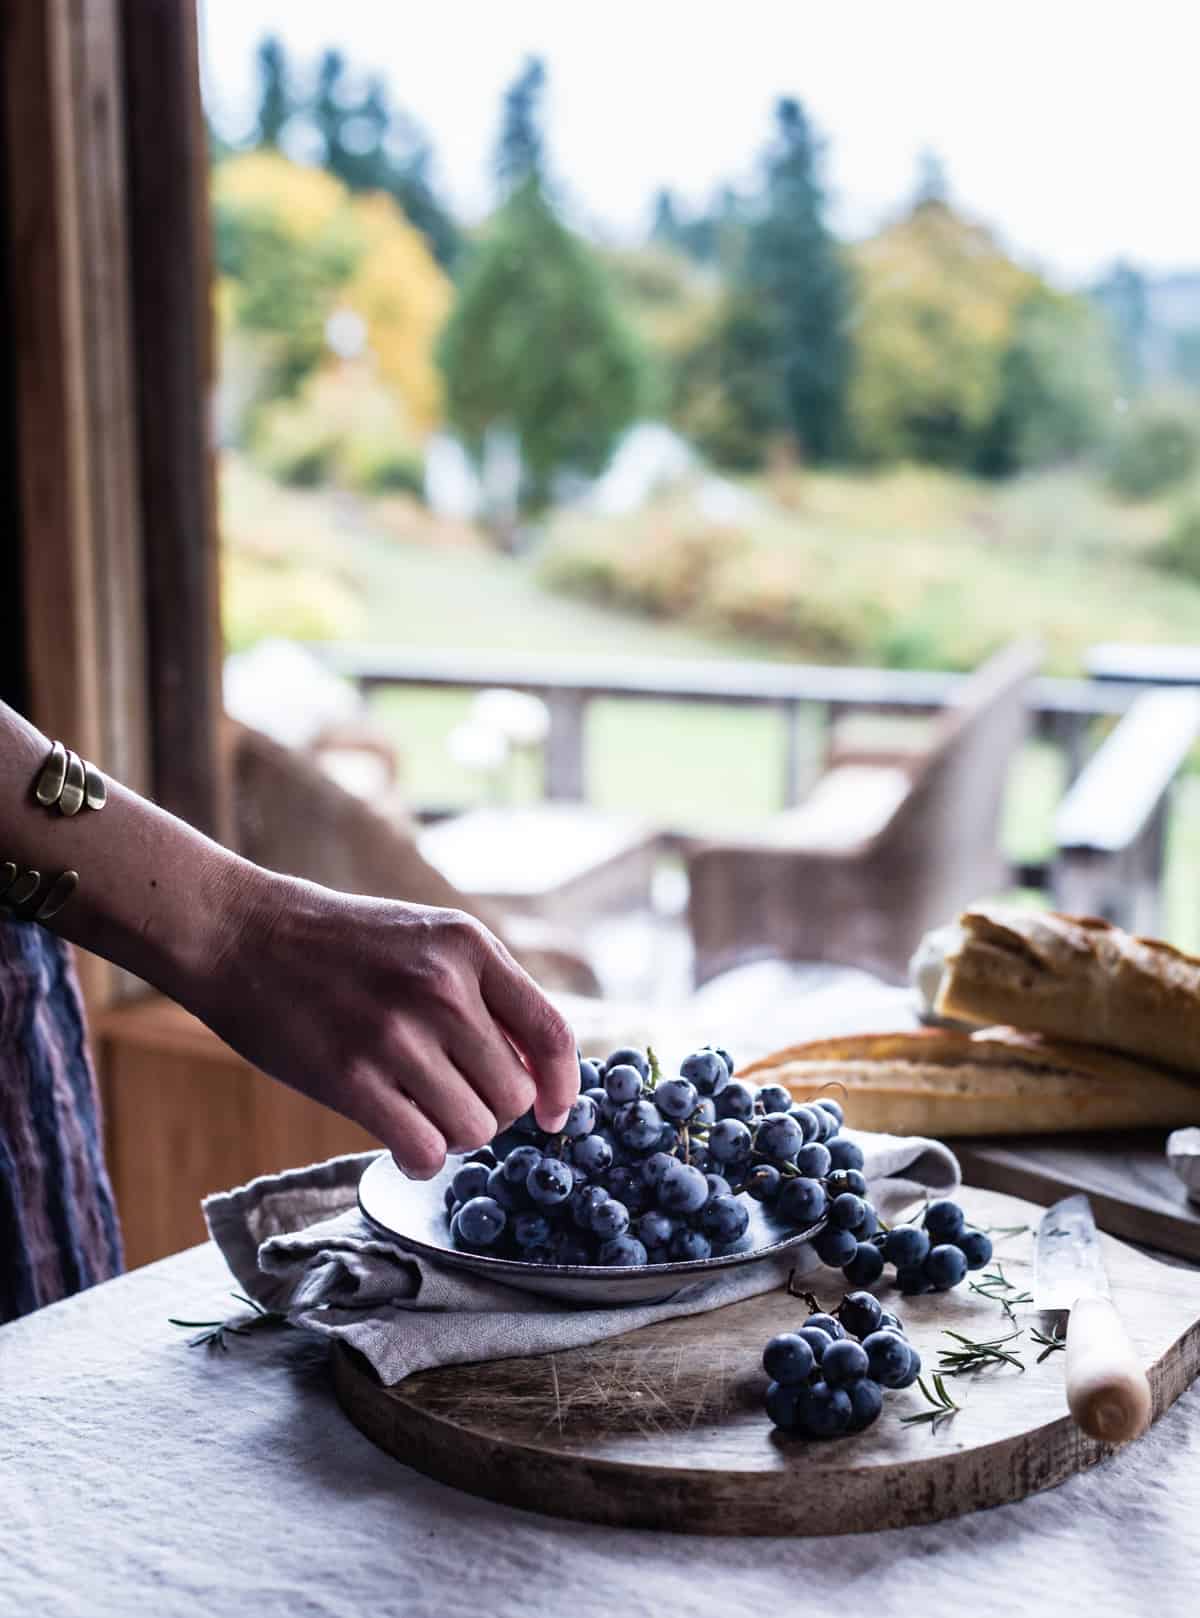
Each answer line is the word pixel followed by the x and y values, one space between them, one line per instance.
pixel 1133 1190
pixel 663 1428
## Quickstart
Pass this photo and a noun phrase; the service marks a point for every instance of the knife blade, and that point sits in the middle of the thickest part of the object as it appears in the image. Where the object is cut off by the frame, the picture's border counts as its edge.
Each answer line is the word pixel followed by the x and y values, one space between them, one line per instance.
pixel 1107 1391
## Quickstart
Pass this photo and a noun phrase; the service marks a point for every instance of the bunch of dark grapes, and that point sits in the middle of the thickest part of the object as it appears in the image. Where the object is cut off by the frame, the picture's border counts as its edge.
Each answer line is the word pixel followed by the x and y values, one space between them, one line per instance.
pixel 828 1378
pixel 651 1170
pixel 934 1254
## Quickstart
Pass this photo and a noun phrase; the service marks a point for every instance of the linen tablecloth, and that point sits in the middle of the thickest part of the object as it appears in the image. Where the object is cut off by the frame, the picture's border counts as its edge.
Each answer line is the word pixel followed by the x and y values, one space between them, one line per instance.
pixel 138 1476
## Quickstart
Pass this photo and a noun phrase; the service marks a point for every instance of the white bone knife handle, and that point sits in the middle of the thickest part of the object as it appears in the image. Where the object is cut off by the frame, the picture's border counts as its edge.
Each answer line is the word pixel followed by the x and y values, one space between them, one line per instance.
pixel 1107 1391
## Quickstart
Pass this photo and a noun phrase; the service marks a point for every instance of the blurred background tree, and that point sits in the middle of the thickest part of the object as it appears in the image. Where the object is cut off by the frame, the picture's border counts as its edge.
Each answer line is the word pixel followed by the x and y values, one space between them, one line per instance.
pixel 535 345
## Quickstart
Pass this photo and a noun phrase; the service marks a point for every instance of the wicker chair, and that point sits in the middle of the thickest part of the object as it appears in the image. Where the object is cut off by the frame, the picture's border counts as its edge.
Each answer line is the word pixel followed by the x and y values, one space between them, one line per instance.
pixel 865 900
pixel 291 817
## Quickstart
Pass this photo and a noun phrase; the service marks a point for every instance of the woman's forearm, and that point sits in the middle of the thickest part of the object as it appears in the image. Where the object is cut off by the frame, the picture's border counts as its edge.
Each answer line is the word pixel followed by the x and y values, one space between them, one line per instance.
pixel 155 896
pixel 416 1022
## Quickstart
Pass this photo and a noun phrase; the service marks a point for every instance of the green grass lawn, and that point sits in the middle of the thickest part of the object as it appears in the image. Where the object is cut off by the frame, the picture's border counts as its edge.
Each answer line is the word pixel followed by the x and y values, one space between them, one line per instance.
pixel 315 565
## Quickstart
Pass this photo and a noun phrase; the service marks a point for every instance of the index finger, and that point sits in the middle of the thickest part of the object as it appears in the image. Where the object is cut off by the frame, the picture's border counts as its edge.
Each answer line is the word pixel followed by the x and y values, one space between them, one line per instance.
pixel 539 1032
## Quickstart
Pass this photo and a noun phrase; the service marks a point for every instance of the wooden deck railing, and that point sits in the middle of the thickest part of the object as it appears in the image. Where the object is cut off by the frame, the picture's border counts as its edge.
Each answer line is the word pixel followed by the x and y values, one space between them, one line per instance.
pixel 1063 710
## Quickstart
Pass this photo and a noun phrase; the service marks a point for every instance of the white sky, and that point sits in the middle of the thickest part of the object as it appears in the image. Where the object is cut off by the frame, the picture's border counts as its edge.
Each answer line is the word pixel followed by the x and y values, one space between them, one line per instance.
pixel 1070 126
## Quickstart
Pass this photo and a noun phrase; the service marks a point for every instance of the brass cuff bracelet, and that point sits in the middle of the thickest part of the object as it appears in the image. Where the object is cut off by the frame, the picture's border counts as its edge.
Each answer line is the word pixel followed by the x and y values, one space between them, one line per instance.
pixel 22 893
pixel 69 783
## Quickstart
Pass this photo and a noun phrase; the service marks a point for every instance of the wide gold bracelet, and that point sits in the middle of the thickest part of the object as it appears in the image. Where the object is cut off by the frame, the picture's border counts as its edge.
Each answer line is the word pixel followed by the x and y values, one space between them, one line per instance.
pixel 24 896
pixel 69 783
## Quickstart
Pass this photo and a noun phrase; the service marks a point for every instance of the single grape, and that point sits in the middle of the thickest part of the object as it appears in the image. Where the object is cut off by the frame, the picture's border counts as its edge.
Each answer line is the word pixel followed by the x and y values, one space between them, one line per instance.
pixel 806 1117
pixel 736 1100
pixel 697 1155
pixel 844 1362
pixel 589 1074
pixel 512 1197
pixel 865 1268
pixel 834 1108
pixel 624 1182
pixel 687 1245
pixel 869 1225
pixel 470 1181
pixel 592 1154
pixel 890 1321
pixel 829 1324
pixel 725 1057
pixel 725 1218
pixel 705 1113
pixel 838 1181
pixel 519 1162
pixel 813 1160
pixel 914 1368
pixel 835 1247
pixel 944 1266
pixel 824 1411
pixel 609 1219
pixel 774 1098
pixel 655 1229
pixel 816 1339
pixel 668 1140
pixel 781 1402
pixel 944 1220
pixel 628 1056
pixel 584 1201
pixel 866 1402
pixel 788 1358
pixel 655 1166
pixel 847 1211
pixel 550 1181
pixel 677 1099
pixel 707 1071
pixel 622 1084
pixel 860 1313
pixel 481 1221
pixel 976 1246
pixel 526 1124
pixel 622 1251
pixel 482 1154
pixel 582 1118
pixel 763 1183
pixel 905 1245
pixel 845 1154
pixel 827 1124
pixel 531 1230
pixel 638 1125
pixel 912 1280
pixel 801 1202
pixel 682 1189
pixel 718 1185
pixel 779 1137
pixel 887 1357
pixel 729 1141
pixel 451 1201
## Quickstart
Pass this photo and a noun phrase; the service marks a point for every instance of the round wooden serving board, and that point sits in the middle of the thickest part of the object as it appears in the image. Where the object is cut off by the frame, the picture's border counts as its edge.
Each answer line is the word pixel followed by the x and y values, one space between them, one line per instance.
pixel 664 1428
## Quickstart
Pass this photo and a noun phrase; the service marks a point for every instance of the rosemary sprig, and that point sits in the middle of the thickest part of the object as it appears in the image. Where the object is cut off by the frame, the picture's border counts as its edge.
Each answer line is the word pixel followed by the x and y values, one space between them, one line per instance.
pixel 995 1286
pixel 1051 1341
pixel 212 1334
pixel 977 1356
pixel 943 1405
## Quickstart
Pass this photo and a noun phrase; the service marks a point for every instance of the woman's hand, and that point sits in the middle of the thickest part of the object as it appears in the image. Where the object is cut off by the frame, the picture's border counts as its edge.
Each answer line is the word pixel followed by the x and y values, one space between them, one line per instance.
pixel 415 1022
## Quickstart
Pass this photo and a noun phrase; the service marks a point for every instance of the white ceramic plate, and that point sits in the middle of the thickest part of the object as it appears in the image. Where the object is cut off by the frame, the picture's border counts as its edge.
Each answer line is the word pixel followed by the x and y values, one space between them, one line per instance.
pixel 413 1213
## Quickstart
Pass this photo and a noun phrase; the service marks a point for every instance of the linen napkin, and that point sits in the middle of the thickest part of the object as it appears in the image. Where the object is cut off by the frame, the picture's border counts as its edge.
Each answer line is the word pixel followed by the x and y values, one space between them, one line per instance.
pixel 298 1245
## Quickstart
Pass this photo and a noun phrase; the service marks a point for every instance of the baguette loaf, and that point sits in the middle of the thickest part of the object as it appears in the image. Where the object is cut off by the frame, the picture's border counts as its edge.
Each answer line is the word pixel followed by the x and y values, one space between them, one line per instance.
pixel 997 1081
pixel 1078 979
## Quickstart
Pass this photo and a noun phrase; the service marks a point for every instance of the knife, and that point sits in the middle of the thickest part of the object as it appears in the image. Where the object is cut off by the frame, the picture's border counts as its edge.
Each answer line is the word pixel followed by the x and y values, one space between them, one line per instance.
pixel 1107 1391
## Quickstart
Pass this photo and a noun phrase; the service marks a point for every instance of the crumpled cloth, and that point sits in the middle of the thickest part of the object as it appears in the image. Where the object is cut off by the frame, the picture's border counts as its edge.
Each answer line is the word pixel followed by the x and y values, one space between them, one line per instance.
pixel 300 1247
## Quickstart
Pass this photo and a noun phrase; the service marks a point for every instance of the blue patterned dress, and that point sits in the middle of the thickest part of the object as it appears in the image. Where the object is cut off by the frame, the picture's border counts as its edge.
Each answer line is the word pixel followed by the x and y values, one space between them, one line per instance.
pixel 58 1223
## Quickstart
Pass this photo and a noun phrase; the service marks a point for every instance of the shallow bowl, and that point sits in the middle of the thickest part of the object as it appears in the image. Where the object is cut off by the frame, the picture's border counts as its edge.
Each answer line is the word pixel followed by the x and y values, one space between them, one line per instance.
pixel 413 1214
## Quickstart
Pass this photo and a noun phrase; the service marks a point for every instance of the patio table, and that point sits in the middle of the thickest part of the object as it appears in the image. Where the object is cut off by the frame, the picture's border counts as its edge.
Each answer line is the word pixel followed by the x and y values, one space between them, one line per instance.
pixel 138 1476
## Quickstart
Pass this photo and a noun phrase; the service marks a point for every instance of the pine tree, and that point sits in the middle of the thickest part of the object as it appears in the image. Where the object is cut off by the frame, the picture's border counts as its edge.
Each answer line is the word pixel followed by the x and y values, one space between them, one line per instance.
pixel 535 344
pixel 275 103
pixel 519 150
pixel 794 280
pixel 329 113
